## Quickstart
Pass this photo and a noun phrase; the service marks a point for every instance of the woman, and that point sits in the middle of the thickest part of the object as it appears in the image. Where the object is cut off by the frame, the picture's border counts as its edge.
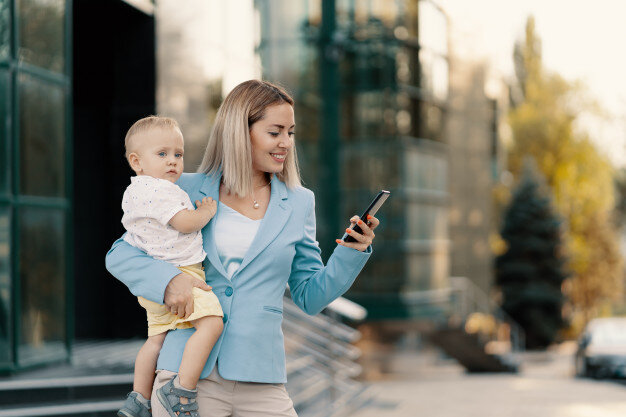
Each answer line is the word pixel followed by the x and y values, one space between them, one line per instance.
pixel 262 238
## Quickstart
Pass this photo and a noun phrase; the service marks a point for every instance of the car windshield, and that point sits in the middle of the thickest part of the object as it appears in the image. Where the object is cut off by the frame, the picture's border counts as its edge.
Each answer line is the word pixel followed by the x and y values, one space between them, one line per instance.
pixel 610 334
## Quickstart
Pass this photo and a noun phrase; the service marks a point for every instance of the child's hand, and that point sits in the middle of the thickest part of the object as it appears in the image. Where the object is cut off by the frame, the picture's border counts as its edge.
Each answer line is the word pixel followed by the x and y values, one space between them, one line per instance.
pixel 208 206
pixel 189 221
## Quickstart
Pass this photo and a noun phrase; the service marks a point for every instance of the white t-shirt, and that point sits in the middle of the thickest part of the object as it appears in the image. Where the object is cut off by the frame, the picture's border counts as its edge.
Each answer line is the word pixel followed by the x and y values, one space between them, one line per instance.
pixel 149 204
pixel 234 234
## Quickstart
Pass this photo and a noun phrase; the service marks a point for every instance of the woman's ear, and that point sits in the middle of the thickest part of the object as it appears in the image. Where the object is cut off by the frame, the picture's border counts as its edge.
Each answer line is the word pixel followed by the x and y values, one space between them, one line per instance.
pixel 134 162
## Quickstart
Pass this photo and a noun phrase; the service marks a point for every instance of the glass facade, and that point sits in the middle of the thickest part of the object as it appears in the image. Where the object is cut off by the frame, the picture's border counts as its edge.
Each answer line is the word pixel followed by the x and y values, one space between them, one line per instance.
pixel 6 352
pixel 42 137
pixel 41 40
pixel 370 80
pixel 5 19
pixel 5 134
pixel 34 183
pixel 42 283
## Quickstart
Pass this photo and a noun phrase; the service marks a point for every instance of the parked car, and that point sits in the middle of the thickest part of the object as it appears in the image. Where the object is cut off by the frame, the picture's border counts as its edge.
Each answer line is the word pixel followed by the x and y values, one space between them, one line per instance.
pixel 601 349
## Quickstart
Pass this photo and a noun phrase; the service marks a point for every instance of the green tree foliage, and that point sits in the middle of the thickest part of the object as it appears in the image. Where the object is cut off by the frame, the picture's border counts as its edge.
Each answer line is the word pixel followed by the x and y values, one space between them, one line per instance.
pixel 530 272
pixel 543 122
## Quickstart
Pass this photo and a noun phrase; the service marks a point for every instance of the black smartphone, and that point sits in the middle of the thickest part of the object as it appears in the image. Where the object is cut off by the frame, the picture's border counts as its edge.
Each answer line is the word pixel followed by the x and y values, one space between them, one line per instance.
pixel 378 201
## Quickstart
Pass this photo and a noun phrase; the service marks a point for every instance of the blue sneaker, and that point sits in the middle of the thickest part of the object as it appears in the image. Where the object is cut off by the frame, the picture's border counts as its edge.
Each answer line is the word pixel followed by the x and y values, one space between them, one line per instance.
pixel 135 407
pixel 169 397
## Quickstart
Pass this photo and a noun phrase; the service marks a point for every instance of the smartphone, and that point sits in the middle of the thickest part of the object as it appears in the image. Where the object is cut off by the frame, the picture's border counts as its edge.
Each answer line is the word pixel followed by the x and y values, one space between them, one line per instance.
pixel 378 201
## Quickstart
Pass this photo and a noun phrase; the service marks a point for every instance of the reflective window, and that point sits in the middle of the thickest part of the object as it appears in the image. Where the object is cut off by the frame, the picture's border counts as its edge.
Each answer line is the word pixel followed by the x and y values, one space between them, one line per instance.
pixel 432 121
pixel 428 269
pixel 42 280
pixel 373 167
pixel 426 221
pixel 5 136
pixel 433 28
pixel 434 80
pixel 283 19
pixel 41 25
pixel 5 30
pixel 5 285
pixel 425 171
pixel 42 138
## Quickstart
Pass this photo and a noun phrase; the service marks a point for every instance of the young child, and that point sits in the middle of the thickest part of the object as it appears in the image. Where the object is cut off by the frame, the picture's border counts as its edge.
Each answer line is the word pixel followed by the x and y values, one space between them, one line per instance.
pixel 160 219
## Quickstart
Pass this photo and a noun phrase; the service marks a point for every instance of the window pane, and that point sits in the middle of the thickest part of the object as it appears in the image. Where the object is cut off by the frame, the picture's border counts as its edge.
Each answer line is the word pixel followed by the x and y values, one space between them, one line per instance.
pixel 370 166
pixel 440 78
pixel 432 121
pixel 5 285
pixel 5 136
pixel 435 75
pixel 41 26
pixel 42 138
pixel 5 38
pixel 42 280
pixel 432 28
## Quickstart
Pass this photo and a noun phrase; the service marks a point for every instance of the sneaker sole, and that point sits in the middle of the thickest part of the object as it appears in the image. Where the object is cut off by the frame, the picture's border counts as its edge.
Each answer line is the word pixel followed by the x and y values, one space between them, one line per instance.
pixel 123 414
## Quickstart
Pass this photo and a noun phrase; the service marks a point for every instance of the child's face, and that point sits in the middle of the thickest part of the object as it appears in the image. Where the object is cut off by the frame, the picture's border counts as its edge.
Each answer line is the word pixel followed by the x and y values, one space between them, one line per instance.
pixel 158 153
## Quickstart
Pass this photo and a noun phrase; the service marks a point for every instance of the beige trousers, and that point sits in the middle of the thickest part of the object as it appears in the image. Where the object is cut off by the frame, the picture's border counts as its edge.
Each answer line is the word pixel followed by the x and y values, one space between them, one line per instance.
pixel 218 397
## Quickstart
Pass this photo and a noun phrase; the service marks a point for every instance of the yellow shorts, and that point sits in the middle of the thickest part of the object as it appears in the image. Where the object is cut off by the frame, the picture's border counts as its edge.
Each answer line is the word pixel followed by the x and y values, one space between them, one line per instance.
pixel 205 303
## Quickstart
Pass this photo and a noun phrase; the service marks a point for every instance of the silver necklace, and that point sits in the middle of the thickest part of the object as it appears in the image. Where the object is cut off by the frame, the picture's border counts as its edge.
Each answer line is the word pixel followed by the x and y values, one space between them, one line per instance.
pixel 255 204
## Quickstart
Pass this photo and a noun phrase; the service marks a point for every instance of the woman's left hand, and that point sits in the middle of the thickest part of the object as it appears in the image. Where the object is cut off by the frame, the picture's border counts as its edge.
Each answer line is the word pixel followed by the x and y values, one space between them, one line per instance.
pixel 364 240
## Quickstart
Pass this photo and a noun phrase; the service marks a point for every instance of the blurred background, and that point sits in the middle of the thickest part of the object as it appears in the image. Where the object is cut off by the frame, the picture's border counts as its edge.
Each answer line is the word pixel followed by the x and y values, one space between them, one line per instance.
pixel 498 126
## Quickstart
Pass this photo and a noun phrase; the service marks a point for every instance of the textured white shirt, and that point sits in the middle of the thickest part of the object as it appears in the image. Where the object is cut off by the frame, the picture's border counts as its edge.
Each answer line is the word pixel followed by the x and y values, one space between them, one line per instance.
pixel 149 204
pixel 234 234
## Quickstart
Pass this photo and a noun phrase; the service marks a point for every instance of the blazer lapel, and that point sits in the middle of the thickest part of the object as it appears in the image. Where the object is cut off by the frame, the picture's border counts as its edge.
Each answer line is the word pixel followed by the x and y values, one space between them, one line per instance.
pixel 273 222
pixel 211 188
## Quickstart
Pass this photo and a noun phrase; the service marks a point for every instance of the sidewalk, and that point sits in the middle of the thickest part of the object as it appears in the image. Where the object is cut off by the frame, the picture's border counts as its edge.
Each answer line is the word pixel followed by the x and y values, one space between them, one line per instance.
pixel 546 387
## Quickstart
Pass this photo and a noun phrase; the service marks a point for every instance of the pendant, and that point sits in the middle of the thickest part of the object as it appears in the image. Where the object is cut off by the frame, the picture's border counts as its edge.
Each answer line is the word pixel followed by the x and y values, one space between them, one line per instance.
pixel 255 205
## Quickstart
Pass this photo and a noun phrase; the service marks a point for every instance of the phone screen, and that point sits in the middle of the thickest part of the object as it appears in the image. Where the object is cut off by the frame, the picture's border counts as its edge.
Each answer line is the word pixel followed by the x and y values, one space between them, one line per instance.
pixel 378 201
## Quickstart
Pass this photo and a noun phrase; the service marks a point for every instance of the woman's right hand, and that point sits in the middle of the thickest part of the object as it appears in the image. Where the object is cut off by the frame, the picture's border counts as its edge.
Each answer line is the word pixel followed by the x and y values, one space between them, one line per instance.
pixel 179 296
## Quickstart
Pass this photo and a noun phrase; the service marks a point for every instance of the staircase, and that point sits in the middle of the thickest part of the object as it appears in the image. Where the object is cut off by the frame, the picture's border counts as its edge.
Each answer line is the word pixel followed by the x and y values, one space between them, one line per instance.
pixel 320 369
pixel 470 351
pixel 477 333
pixel 94 384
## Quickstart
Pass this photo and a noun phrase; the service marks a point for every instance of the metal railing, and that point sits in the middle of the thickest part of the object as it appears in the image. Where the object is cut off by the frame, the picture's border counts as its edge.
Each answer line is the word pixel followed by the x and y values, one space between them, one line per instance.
pixel 321 359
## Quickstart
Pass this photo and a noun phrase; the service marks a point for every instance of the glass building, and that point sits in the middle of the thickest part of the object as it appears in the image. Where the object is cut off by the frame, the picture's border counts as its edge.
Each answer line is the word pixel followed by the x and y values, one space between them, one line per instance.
pixel 370 79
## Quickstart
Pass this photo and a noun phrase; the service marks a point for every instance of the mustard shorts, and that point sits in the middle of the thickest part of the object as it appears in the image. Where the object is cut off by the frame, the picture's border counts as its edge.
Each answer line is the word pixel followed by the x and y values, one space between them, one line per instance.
pixel 205 303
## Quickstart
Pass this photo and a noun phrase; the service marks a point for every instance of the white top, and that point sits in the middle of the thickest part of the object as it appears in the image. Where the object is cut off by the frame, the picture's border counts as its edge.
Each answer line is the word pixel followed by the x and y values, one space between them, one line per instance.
pixel 149 204
pixel 234 234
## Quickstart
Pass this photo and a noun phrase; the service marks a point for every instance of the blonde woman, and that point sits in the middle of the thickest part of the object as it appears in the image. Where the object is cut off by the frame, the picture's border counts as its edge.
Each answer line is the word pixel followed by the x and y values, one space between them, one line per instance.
pixel 261 239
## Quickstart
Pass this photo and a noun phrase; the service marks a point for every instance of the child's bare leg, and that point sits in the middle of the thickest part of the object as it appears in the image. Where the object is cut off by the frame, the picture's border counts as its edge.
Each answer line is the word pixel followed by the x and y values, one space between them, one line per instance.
pixel 198 348
pixel 145 365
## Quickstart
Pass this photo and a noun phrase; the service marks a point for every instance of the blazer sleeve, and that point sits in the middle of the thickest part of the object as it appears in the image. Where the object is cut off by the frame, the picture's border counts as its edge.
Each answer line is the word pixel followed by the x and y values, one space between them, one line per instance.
pixel 314 285
pixel 142 274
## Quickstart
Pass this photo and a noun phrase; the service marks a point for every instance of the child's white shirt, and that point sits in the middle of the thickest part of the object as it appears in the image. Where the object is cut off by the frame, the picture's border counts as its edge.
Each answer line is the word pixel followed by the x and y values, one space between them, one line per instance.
pixel 149 204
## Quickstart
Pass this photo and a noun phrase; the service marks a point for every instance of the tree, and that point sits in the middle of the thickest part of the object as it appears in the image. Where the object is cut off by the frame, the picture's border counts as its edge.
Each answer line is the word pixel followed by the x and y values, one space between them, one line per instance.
pixel 543 123
pixel 530 272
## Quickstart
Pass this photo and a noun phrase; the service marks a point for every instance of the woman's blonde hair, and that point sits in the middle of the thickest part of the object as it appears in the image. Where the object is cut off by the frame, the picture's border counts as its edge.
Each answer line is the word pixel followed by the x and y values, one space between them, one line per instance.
pixel 229 147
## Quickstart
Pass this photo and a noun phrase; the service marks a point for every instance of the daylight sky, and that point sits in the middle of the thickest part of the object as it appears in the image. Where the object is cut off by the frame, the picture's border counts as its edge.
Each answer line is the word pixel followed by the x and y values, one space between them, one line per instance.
pixel 581 40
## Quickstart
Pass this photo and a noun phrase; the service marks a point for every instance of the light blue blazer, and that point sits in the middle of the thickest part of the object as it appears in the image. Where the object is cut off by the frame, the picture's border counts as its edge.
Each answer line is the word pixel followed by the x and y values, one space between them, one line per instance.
pixel 283 251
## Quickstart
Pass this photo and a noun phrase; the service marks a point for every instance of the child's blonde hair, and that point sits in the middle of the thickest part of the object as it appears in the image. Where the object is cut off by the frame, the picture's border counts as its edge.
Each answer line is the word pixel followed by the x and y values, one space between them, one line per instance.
pixel 146 124
pixel 229 147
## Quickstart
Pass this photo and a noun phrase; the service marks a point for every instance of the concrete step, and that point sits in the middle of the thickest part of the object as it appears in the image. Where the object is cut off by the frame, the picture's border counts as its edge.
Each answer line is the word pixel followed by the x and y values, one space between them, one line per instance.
pixel 32 392
pixel 64 408
pixel 469 350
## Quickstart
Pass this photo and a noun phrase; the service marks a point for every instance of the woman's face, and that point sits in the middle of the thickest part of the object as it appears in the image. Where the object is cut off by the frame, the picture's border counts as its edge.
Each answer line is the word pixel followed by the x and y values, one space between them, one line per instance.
pixel 272 138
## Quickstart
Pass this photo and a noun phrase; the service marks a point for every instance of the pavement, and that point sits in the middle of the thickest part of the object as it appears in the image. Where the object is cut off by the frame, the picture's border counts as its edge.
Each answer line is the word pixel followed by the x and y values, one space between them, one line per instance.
pixel 425 384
